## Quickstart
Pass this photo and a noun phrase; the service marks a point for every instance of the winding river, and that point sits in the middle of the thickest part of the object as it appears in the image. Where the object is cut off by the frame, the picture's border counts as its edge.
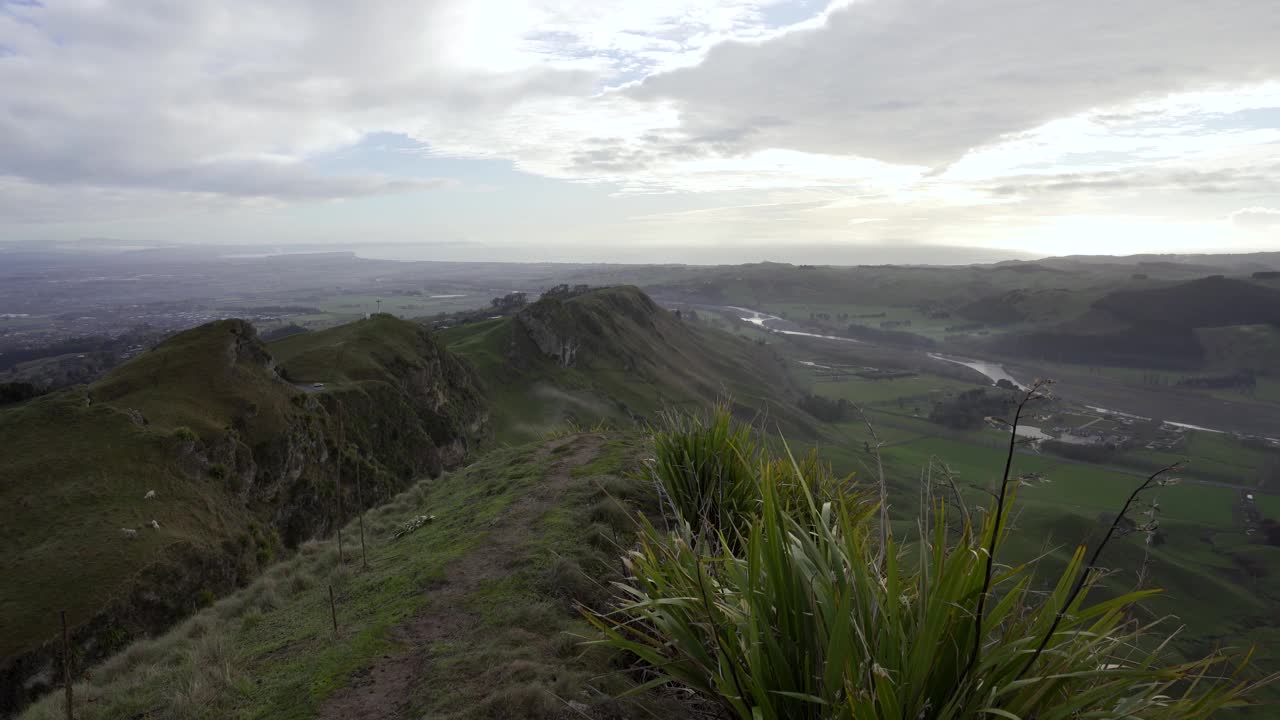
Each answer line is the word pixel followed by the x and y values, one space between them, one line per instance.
pixel 995 373
pixel 759 319
pixel 992 371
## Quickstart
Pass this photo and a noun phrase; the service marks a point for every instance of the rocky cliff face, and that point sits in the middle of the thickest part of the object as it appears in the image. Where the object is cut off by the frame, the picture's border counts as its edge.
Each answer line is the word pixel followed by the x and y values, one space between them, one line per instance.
pixel 208 418
pixel 550 329
pixel 587 329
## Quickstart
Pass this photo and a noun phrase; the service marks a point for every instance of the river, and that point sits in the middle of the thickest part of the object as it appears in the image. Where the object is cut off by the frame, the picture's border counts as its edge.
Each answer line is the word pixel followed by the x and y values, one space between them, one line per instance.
pixel 993 371
pixel 759 319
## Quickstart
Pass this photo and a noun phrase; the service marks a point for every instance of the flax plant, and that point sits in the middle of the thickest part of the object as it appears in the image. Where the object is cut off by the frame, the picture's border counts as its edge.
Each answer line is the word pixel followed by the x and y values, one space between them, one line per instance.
pixel 770 598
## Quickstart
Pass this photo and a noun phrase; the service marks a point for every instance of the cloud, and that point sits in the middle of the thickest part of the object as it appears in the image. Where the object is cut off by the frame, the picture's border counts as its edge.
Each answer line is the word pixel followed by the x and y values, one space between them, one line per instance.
pixel 202 97
pixel 924 81
pixel 1256 217
pixel 1157 178
pixel 782 119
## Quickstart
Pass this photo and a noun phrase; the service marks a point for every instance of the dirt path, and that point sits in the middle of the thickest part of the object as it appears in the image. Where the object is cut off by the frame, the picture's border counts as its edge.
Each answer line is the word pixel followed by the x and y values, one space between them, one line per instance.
pixel 385 690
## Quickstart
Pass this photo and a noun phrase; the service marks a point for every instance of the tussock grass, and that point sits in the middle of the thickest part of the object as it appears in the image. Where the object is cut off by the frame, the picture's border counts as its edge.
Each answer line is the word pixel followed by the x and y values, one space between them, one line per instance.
pixel 251 618
pixel 568 581
pixel 775 599
pixel 187 674
pixel 612 514
pixel 526 701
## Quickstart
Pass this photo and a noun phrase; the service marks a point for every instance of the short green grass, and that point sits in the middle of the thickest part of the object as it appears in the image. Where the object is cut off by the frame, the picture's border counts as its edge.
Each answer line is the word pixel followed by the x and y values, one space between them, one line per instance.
pixel 1215 457
pixel 1217 581
pixel 904 393
pixel 275 654
pixel 921 323
pixel 1267 390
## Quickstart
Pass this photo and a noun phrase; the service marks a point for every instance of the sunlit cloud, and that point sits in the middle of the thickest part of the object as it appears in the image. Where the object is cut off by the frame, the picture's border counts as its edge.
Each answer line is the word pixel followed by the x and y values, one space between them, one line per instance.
pixel 1257 217
pixel 880 121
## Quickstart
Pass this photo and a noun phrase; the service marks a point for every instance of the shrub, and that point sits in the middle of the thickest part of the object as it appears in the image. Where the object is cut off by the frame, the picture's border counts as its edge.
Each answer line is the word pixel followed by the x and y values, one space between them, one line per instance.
pixel 206 675
pixel 185 434
pixel 967 410
pixel 567 580
pixel 527 701
pixel 611 513
pixel 251 618
pixel 827 409
pixel 809 615
pixel 713 472
pixel 705 469
pixel 300 582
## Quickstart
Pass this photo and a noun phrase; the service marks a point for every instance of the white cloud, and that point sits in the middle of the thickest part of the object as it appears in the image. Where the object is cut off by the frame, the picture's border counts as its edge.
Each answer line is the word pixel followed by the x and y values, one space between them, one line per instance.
pixel 924 81
pixel 1257 217
pixel 203 97
pixel 934 120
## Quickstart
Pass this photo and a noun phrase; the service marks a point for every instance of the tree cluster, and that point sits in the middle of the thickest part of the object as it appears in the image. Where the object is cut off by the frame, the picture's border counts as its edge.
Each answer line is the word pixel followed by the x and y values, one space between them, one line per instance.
pixel 967 410
pixel 16 392
pixel 826 409
pixel 509 302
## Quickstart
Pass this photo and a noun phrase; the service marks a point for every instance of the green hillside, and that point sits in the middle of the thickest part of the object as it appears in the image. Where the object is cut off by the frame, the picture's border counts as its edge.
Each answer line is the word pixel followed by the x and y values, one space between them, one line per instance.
pixel 469 607
pixel 241 461
pixel 239 439
pixel 614 355
pixel 1136 312
pixel 472 615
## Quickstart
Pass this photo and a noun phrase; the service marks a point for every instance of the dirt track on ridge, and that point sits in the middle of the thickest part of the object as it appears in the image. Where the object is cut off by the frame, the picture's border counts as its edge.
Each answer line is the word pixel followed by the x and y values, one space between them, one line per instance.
pixel 384 691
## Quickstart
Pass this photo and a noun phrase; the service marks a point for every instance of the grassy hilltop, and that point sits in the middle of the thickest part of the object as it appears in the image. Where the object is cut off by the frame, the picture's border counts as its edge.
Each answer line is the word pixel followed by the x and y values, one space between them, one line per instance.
pixel 241 461
pixel 614 355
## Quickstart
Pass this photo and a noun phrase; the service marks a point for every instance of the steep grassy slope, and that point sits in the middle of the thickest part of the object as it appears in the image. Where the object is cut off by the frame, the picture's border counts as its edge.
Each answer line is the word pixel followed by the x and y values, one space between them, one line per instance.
pixel 412 407
pixel 615 355
pixel 471 615
pixel 1153 327
pixel 242 464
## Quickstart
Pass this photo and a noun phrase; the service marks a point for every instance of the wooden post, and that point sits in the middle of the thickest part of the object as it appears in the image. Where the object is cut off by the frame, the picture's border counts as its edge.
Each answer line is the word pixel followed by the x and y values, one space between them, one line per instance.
pixel 338 481
pixel 364 554
pixel 66 665
pixel 333 612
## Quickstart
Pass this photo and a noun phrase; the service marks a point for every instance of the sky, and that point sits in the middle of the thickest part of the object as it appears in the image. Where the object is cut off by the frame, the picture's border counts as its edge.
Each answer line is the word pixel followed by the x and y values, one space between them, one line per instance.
pixel 655 131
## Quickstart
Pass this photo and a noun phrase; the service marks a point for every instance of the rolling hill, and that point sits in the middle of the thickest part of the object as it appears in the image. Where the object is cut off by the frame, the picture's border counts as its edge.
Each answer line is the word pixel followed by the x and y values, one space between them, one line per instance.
pixel 179 475
pixel 469 605
pixel 241 442
pixel 1159 326
pixel 614 355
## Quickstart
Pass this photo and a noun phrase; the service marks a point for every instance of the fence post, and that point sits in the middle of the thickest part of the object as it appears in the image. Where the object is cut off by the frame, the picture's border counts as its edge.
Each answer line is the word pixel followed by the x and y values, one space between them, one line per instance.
pixel 66 665
pixel 342 436
pixel 333 613
pixel 364 554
